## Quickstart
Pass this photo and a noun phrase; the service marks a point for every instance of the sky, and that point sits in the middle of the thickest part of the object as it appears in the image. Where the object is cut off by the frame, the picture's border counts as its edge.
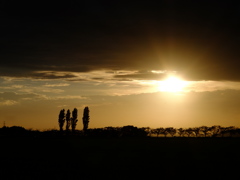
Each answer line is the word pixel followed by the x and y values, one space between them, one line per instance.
pixel 116 57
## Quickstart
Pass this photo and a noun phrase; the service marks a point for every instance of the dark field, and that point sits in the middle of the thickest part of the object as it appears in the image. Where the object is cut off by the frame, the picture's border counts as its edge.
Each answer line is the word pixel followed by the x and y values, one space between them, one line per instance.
pixel 120 158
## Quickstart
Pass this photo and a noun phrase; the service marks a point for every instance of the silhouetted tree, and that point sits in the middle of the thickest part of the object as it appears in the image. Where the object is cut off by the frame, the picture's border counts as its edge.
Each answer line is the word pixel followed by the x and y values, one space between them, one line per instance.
pixel 147 130
pixel 205 130
pixel 165 132
pixel 189 132
pixel 157 131
pixel 181 132
pixel 61 119
pixel 170 130
pixel 215 130
pixel 85 119
pixel 132 131
pixel 197 131
pixel 231 130
pixel 68 120
pixel 74 119
pixel 110 131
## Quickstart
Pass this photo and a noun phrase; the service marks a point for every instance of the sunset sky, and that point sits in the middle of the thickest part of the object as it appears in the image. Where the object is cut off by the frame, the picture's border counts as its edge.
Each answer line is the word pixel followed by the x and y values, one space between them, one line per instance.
pixel 164 63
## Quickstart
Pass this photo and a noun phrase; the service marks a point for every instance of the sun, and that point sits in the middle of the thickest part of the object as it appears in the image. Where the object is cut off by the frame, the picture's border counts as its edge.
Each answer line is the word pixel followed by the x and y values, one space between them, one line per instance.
pixel 172 84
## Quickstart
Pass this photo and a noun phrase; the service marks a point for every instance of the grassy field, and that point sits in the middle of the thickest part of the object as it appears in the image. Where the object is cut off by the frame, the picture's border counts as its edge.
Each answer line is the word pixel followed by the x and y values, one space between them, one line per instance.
pixel 119 158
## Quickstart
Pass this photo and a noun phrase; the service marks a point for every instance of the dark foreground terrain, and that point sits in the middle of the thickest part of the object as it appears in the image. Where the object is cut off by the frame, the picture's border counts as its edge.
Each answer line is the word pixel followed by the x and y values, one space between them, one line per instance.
pixel 119 158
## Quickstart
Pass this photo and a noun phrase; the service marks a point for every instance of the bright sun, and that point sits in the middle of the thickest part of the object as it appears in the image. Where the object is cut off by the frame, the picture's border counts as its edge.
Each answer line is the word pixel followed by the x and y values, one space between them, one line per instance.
pixel 172 84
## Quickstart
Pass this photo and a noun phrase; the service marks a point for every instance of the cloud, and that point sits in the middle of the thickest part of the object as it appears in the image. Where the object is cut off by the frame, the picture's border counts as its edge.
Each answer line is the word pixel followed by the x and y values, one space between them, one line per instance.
pixel 52 75
pixel 67 97
pixel 12 96
pixel 8 103
pixel 143 75
pixel 57 85
pixel 198 40
pixel 12 87
pixel 21 72
pixel 120 75
pixel 56 91
pixel 210 86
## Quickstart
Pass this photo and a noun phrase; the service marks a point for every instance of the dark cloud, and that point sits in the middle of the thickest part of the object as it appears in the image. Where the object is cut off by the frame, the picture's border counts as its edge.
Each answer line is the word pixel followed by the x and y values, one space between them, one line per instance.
pixel 142 75
pixel 52 75
pixel 77 80
pixel 27 73
pixel 96 78
pixel 199 39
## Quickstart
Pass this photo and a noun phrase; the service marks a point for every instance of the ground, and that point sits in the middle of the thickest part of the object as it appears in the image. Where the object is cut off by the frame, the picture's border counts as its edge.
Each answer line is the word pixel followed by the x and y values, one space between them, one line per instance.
pixel 119 158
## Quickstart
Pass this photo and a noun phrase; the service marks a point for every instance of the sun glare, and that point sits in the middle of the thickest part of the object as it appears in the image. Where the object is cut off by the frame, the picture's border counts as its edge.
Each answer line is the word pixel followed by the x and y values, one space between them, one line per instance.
pixel 172 84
